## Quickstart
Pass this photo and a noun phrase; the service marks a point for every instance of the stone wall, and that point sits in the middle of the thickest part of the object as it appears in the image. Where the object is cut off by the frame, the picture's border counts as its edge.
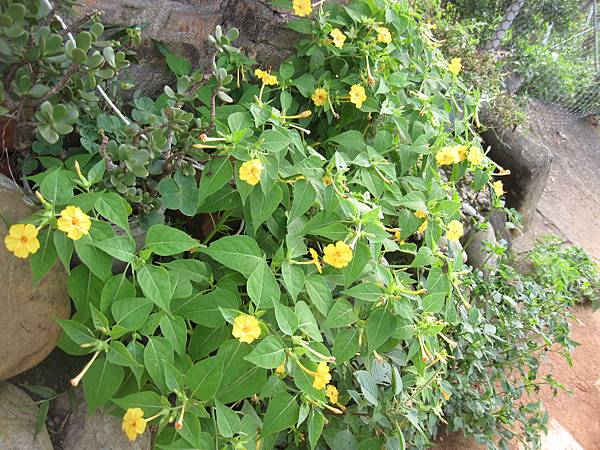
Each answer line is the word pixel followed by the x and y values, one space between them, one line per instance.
pixel 185 24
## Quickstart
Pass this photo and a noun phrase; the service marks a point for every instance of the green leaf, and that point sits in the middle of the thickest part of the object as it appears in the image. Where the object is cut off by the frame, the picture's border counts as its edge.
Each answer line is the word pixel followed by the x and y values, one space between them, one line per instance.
pixel 131 313
pixel 148 401
pixel 43 260
pixel 352 139
pixel 119 247
pixel 274 140
pixel 341 315
pixel 293 279
pixel 262 206
pixel 346 345
pixel 190 269
pixel 268 354
pixel 77 332
pixel 99 262
pixel 356 266
pixel 262 287
pixel 64 249
pixel 240 253
pixel 307 322
pixel 241 379
pixel 156 285
pixel 286 318
pixel 380 326
pixel 101 382
pixel 179 192
pixel 204 378
pixel 57 187
pixel 368 386
pixel 175 330
pixel 158 350
pixel 167 241
pixel 116 287
pixel 84 288
pixel 216 174
pixel 316 421
pixel 204 309
pixel 228 422
pixel 304 197
pixel 179 65
pixel 424 258
pixel 367 291
pixel 41 416
pixel 437 289
pixel 319 293
pixel 114 209
pixel 121 356
pixel 282 413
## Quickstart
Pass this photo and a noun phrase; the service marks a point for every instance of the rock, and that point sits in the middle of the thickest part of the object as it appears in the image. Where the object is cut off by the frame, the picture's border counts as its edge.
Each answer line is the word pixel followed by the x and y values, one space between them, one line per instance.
pixel 184 25
pixel 528 161
pixel 498 220
pixel 17 421
pixel 476 245
pixel 100 431
pixel 469 211
pixel 28 328
pixel 456 441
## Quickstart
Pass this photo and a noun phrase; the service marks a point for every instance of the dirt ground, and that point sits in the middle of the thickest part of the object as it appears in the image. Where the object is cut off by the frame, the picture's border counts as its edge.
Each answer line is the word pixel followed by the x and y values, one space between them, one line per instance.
pixel 570 208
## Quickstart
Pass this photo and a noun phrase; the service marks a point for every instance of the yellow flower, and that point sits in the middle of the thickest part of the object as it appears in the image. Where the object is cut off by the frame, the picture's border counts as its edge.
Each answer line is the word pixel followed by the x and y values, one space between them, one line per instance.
pixel 338 255
pixel 246 328
pixel 338 37
pixel 423 227
pixel 74 222
pixel 398 235
pixel 357 95
pixel 302 8
pixel 280 369
pixel 320 96
pixel 462 152
pixel 455 66
pixel 447 156
pixel 445 394
pixel 322 376
pixel 384 35
pixel 421 214
pixel 332 393
pixel 133 423
pixel 266 77
pixel 315 259
pixel 250 171
pixel 22 240
pixel 475 156
pixel 498 188
pixel 455 230
pixel 327 180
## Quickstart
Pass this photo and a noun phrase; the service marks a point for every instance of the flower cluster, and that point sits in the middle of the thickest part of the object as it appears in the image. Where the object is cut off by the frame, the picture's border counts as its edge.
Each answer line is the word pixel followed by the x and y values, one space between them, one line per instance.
pixel 266 77
pixel 22 239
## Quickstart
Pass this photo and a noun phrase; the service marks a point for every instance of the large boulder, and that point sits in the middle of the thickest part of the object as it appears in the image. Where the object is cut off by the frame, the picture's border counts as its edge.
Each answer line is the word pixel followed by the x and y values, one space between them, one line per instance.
pixel 184 25
pixel 477 244
pixel 100 431
pixel 528 160
pixel 17 421
pixel 28 328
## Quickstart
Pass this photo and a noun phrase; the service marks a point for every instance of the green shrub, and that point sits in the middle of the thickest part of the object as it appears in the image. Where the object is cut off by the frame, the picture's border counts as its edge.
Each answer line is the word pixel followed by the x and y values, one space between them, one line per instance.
pixel 49 74
pixel 567 270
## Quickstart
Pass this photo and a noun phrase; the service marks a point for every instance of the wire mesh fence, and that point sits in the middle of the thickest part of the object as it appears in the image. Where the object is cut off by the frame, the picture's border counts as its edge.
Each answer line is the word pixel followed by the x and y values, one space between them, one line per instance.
pixel 550 50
